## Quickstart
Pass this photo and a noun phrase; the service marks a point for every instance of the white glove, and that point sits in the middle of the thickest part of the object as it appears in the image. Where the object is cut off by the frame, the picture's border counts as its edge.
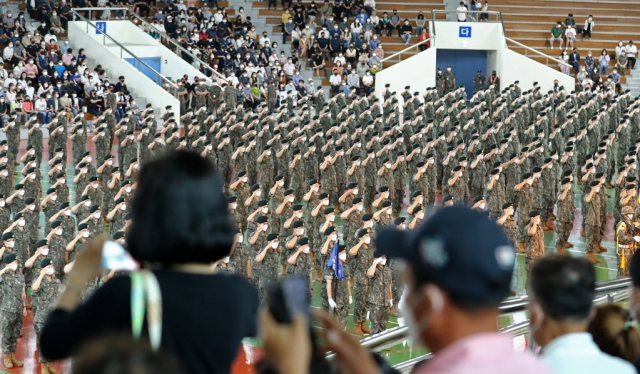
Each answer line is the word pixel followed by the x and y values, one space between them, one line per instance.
pixel 637 238
pixel 391 302
pixel 332 304
pixel 350 300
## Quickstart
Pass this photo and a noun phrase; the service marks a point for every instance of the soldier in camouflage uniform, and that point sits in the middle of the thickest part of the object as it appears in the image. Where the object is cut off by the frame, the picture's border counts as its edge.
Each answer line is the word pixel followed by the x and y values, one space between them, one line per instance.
pixel 380 295
pixel 46 290
pixel 257 234
pixel 592 220
pixel 507 222
pixel 564 220
pixel 338 290
pixel 266 168
pixel 525 205
pixel 116 216
pixel 12 288
pixel 456 187
pixel 496 196
pixel 535 240
pixel 268 259
pixel 626 245
pixel 299 260
pixel 13 140
pixel 362 253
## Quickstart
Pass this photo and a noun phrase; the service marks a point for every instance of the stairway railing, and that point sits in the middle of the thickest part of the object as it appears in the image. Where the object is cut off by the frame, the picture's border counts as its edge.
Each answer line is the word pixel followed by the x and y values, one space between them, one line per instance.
pixel 528 49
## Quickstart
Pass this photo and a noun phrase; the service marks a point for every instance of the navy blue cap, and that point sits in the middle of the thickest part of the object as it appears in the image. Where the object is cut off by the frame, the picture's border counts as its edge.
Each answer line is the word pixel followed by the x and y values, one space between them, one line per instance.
pixel 458 249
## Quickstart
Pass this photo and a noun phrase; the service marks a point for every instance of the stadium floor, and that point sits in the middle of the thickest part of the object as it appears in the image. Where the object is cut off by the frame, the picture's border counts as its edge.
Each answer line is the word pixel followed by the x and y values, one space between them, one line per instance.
pixel 250 351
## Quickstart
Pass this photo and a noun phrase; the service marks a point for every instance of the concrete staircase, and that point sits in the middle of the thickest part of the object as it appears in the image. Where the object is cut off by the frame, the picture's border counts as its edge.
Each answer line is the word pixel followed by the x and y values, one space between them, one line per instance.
pixel 633 82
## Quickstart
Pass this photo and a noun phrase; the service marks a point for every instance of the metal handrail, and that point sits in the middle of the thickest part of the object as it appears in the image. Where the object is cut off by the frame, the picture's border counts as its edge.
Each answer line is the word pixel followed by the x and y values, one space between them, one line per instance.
pixel 396 335
pixel 434 11
pixel 518 328
pixel 122 48
pixel 527 48
pixel 406 49
pixel 162 34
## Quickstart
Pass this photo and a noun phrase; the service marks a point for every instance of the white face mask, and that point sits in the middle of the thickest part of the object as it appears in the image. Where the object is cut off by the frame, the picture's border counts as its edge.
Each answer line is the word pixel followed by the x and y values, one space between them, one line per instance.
pixel 13 266
pixel 54 198
pixel 2 203
pixel 355 192
pixel 32 207
pixel 265 210
pixel 44 251
pixel 32 177
pixel 383 261
pixel 67 212
pixel 85 234
pixel 367 240
pixel 59 232
pixel 342 256
pixel 97 215
pixel 87 203
pixel 225 259
pixel 258 193
pixel 240 239
pixel 123 207
pixel 325 202
pixel 274 245
pixel 128 189
pixel 50 271
pixel 21 222
pixel 306 250
pixel 21 193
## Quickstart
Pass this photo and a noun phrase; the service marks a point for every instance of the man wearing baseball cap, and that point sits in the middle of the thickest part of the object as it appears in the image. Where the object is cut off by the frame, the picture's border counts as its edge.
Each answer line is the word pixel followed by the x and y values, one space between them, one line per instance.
pixel 455 280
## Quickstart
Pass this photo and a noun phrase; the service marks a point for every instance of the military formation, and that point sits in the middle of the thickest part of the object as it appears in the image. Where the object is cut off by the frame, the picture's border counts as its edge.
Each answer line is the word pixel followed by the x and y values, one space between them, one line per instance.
pixel 310 186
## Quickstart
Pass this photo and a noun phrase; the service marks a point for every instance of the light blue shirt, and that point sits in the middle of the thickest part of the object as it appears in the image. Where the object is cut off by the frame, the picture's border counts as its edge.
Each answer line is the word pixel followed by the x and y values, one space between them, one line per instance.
pixel 578 354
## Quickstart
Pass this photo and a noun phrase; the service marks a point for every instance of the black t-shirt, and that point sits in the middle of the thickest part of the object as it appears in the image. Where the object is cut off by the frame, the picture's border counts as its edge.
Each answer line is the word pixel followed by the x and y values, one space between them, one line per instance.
pixel 204 319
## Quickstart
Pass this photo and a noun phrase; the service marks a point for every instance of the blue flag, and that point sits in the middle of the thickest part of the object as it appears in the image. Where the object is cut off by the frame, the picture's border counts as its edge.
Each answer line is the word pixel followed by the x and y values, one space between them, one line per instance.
pixel 334 263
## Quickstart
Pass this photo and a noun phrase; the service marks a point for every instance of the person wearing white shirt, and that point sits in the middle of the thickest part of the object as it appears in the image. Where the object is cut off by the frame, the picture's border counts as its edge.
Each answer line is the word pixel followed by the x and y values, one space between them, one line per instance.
pixel 561 292
pixel 335 81
pixel 570 33
pixel 7 52
pixel 461 12
pixel 632 52
pixel 217 18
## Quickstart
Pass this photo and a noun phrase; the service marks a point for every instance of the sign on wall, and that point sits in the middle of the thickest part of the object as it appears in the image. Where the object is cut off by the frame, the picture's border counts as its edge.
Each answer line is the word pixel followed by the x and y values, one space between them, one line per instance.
pixel 464 32
pixel 101 27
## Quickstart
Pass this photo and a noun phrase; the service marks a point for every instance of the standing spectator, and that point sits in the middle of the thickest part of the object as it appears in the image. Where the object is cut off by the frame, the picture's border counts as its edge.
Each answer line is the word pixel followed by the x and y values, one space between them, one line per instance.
pixel 461 12
pixel 484 16
pixel 589 24
pixel 556 35
pixel 420 23
pixel 569 21
pixel 574 60
pixel 564 57
pixel 632 53
pixel 407 31
pixel 561 291
pixel 570 34
pixel 615 333
pixel 603 62
pixel 394 21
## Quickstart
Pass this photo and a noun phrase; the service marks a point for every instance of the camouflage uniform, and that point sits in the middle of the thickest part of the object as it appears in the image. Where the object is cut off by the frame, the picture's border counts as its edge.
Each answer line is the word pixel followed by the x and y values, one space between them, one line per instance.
pixel 11 287
pixel 340 293
pixel 625 248
pixel 47 297
pixel 362 288
pixel 268 271
pixel 535 246
pixel 57 252
pixel 565 218
pixel 378 302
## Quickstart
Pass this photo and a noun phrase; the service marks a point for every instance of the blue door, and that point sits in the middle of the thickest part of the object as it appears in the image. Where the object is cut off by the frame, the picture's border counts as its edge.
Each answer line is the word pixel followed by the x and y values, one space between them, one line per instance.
pixel 153 62
pixel 464 64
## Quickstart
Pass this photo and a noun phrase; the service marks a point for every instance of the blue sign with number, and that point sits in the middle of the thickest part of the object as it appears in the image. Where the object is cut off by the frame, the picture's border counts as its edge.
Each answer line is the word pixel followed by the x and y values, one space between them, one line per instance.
pixel 101 27
pixel 465 32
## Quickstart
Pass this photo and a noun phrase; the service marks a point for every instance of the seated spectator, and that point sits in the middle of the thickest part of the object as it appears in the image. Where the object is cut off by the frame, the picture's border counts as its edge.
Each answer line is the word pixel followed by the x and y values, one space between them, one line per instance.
pixel 615 332
pixel 556 35
pixel 42 109
pixel 424 36
pixel 367 83
pixel 407 32
pixel 561 291
pixel 570 35
pixel 335 80
pixel 622 63
pixel 589 24
pixel 632 53
pixel 621 49
pixel 569 21
pixel 616 78
pixel 589 63
pixel 420 23
pixel 185 253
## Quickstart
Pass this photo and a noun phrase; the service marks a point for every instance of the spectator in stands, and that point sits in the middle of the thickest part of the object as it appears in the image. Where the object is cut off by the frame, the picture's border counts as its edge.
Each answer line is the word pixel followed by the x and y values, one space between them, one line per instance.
pixel 615 332
pixel 287 28
pixel 424 36
pixel 622 63
pixel 484 16
pixel 589 24
pixel 556 35
pixel 603 62
pixel 616 78
pixel 394 21
pixel 570 35
pixel 620 49
pixel 420 23
pixel 184 243
pixel 632 53
pixel 407 31
pixel 335 80
pixel 461 12
pixel 569 21
pixel 561 290
pixel 564 67
pixel 589 63
pixel 574 60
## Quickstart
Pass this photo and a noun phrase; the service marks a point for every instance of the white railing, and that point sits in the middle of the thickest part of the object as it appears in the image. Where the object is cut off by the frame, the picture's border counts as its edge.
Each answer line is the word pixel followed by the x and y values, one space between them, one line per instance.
pixel 179 49
pixel 398 54
pixel 527 49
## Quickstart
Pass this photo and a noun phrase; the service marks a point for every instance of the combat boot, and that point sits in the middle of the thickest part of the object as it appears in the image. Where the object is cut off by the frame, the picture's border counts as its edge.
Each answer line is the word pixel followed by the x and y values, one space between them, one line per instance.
pixel 364 327
pixel 560 250
pixel 52 370
pixel 601 248
pixel 8 364
pixel 393 311
pixel 357 329
pixel 318 275
pixel 551 226
pixel 543 225
pixel 522 248
pixel 568 244
pixel 284 269
pixel 592 258
pixel 552 217
pixel 44 368
pixel 15 360
pixel 582 233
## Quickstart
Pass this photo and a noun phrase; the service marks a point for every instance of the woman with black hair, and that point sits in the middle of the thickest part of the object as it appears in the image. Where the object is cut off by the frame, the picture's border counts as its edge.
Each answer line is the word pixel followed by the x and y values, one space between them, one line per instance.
pixel 180 226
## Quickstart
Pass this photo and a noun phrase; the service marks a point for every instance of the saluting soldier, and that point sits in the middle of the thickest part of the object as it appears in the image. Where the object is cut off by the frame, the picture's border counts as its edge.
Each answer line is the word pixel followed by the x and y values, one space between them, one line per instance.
pixel 46 290
pixel 535 239
pixel 12 287
pixel 268 259
pixel 566 207
pixel 380 295
pixel 362 252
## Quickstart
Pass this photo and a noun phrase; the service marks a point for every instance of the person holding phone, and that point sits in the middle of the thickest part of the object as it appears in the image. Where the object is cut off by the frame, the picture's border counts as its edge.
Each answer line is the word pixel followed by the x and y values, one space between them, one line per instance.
pixel 179 223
